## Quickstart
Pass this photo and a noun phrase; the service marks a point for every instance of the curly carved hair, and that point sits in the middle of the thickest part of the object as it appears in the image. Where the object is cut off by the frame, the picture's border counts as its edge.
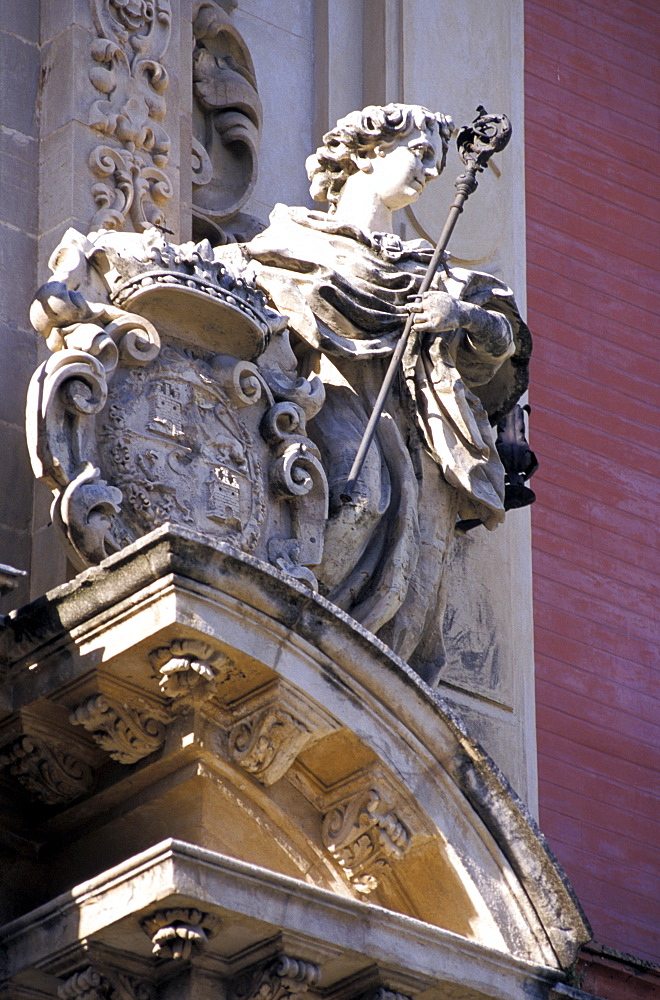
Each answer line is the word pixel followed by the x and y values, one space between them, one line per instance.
pixel 362 132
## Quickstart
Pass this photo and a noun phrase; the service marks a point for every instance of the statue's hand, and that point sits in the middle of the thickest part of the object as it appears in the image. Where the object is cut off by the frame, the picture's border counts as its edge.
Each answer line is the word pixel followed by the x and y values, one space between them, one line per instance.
pixel 436 312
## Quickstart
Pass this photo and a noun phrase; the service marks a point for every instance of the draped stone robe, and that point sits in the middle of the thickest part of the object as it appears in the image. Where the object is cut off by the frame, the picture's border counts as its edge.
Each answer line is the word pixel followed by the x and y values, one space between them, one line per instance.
pixel 433 458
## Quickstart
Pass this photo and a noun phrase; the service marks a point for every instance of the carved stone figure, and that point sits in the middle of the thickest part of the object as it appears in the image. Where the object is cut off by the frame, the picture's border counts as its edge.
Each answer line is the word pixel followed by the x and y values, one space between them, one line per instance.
pixel 347 284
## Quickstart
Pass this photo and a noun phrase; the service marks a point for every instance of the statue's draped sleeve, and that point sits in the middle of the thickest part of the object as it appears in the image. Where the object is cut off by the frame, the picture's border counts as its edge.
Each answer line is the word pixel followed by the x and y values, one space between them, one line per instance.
pixel 347 296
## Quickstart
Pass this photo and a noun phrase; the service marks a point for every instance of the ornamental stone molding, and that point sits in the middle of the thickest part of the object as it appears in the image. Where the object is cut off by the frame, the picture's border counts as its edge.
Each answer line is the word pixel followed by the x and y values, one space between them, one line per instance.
pixel 179 934
pixel 227 118
pixel 188 672
pixel 93 984
pixel 365 836
pixel 132 186
pixel 171 396
pixel 126 733
pixel 49 771
pixel 284 979
pixel 266 740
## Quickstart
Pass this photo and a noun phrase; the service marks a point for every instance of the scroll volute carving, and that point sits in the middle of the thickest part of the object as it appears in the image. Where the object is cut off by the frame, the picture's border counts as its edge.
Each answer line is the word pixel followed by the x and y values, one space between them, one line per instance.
pixel 226 123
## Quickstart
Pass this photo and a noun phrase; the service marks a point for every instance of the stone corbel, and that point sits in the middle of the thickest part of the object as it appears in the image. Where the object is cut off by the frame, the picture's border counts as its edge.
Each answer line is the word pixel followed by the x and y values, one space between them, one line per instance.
pixel 49 769
pixel 273 729
pixel 96 984
pixel 365 835
pixel 188 672
pixel 284 979
pixel 179 934
pixel 126 732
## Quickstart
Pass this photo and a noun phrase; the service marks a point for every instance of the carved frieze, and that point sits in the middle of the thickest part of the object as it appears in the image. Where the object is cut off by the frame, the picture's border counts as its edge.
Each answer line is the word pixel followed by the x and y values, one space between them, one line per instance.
pixel 172 396
pixel 284 979
pixel 226 124
pixel 132 186
pixel 365 835
pixel 179 933
pixel 126 733
pixel 48 770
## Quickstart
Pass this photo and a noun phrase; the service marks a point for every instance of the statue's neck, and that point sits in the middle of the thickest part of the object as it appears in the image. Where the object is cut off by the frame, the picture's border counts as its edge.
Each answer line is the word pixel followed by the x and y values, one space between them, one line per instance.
pixel 362 207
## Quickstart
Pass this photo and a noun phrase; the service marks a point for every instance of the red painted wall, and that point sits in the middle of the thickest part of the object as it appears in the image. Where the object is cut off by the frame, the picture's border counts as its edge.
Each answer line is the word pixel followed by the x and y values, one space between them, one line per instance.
pixel 592 101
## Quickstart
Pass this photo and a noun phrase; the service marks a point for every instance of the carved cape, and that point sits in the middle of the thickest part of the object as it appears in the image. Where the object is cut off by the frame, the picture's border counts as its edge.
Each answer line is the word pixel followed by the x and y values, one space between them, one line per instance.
pixel 346 293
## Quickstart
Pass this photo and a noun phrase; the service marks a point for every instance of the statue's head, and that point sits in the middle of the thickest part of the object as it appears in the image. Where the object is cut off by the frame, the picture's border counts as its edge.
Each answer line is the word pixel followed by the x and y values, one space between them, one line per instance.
pixel 356 140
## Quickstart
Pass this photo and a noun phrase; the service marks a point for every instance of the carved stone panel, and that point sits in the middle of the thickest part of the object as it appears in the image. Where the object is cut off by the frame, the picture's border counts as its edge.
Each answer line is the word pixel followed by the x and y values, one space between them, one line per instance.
pixel 49 771
pixel 365 835
pixel 179 933
pixel 132 186
pixel 284 979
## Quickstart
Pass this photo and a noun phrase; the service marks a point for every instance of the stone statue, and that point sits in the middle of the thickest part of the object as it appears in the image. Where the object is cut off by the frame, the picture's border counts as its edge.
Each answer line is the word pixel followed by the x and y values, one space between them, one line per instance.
pixel 347 284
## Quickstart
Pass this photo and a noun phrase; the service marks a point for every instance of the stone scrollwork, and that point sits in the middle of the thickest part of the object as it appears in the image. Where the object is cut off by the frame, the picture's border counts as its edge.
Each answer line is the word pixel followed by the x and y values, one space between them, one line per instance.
pixel 226 122
pixel 267 742
pixel 127 734
pixel 364 835
pixel 48 771
pixel 179 933
pixel 284 979
pixel 127 72
pixel 188 672
pixel 96 984
pixel 172 396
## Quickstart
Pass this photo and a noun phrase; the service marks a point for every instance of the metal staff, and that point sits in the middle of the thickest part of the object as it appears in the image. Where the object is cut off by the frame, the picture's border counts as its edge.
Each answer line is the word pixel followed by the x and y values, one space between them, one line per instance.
pixel 476 143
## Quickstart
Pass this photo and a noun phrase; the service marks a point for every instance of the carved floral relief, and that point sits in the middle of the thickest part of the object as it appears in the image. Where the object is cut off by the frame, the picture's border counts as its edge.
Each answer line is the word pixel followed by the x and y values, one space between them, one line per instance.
pixel 132 185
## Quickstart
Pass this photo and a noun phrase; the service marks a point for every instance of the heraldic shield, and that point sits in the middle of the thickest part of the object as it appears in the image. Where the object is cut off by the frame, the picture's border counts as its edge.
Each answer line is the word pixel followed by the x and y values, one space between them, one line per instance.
pixel 186 410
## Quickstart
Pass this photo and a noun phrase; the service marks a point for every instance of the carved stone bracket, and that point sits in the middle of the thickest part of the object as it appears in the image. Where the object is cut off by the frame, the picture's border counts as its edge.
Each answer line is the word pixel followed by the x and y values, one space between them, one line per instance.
pixel 49 771
pixel 284 979
pixel 94 984
pixel 127 71
pixel 179 933
pixel 365 835
pixel 188 672
pixel 126 734
pixel 266 740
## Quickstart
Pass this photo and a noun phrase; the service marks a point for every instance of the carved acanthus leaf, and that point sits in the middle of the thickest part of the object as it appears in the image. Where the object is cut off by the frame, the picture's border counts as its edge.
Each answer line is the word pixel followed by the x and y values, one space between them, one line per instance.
pixel 267 742
pixel 126 70
pixel 95 984
pixel 127 734
pixel 179 933
pixel 364 835
pixel 48 771
pixel 284 979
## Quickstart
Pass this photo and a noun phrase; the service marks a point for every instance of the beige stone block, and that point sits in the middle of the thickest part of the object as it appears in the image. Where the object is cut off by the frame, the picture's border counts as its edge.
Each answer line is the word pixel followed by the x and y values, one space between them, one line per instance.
pixel 18 355
pixel 293 16
pixel 66 180
pixel 16 494
pixel 19 84
pixel 68 93
pixel 18 259
pixel 21 18
pixel 57 15
pixel 48 563
pixel 20 180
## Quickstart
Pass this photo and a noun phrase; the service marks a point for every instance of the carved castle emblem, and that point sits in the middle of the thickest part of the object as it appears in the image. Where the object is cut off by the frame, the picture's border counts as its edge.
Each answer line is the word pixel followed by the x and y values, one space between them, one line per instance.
pixel 187 409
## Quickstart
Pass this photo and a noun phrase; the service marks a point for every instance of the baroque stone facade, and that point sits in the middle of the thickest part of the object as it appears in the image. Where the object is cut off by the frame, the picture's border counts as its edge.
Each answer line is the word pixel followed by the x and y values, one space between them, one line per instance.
pixel 227 773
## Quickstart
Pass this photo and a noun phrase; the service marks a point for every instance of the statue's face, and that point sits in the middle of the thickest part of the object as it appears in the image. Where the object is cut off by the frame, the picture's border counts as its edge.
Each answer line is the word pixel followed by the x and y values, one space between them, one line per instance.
pixel 401 171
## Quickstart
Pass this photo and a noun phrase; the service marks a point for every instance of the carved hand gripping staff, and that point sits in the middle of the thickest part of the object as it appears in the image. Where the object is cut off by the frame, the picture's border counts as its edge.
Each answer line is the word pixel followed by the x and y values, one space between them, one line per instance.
pixel 488 134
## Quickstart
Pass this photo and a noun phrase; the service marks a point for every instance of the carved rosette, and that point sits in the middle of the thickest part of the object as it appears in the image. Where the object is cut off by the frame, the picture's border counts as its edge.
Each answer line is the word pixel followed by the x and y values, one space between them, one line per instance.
pixel 179 933
pixel 126 734
pixel 188 671
pixel 284 979
pixel 48 771
pixel 364 835
pixel 132 185
pixel 95 984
